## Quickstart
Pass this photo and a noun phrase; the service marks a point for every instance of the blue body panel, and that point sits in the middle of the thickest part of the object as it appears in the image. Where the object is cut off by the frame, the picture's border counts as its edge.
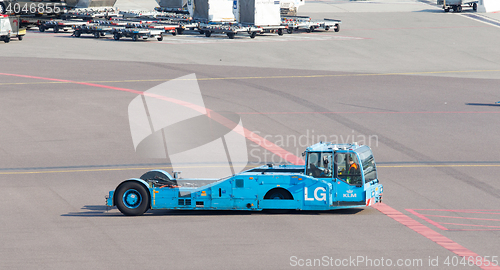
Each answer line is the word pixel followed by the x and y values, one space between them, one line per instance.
pixel 247 190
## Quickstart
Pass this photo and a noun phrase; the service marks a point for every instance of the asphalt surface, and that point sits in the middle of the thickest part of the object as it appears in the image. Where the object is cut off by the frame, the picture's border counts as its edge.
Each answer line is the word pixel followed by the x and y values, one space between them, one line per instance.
pixel 417 84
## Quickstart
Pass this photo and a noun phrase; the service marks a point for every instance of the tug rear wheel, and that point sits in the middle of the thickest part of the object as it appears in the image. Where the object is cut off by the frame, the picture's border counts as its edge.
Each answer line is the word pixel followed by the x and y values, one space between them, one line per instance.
pixel 278 194
pixel 132 198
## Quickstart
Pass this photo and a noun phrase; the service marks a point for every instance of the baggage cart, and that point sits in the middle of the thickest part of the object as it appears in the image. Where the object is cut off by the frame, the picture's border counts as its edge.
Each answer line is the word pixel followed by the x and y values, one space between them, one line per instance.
pixel 308 25
pixel 58 25
pixel 138 33
pixel 456 5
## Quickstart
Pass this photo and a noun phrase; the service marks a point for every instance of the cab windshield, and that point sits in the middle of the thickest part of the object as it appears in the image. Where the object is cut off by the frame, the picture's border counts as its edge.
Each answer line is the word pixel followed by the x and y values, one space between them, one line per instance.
pixel 319 164
pixel 369 167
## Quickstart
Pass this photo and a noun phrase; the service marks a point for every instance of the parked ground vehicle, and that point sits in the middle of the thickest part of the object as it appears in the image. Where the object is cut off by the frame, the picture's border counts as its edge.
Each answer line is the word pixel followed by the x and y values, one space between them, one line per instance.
pixel 335 176
pixel 9 28
pixel 456 5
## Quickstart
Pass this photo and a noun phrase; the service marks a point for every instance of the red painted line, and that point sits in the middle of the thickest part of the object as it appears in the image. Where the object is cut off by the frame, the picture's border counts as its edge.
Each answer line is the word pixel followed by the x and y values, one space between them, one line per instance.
pixel 472 225
pixel 432 235
pixel 427 219
pixel 385 209
pixel 460 210
pixel 262 142
pixel 490 219
pixel 364 112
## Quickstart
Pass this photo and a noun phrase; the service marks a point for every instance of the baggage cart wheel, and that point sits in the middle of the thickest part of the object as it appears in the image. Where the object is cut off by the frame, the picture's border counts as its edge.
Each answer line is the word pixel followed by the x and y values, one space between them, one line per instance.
pixel 132 198
pixel 20 37
pixel 41 28
pixel 174 33
pixel 56 29
pixel 253 34
pixel 180 31
pixel 447 10
pixel 327 28
pixel 78 33
pixel 457 8
pixel 6 39
pixel 280 32
pixel 289 30
pixel 337 27
pixel 134 37
pixel 103 34
pixel 97 35
pixel 474 6
pixel 230 35
pixel 116 36
pixel 208 33
pixel 160 38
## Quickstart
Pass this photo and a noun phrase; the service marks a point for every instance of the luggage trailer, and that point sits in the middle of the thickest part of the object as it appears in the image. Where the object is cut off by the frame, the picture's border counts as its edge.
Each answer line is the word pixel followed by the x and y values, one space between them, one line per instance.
pixel 231 29
pixel 297 23
pixel 58 25
pixel 456 5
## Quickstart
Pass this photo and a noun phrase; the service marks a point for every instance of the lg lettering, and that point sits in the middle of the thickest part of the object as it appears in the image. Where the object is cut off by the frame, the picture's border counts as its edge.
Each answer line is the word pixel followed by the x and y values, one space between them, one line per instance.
pixel 318 196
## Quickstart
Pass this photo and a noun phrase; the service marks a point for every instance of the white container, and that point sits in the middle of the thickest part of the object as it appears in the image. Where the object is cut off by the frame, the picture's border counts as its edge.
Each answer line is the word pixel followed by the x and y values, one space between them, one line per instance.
pixel 258 12
pixel 211 10
pixel 172 3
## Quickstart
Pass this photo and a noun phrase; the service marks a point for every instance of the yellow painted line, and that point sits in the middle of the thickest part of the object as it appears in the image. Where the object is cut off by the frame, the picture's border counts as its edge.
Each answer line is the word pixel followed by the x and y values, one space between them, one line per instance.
pixel 264 77
pixel 103 169
pixel 220 166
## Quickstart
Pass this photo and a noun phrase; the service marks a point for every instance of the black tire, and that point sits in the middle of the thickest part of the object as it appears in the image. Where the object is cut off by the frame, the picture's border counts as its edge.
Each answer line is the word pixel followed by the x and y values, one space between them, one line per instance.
pixel 459 8
pixel 280 32
pixel 116 36
pixel 278 194
pixel 474 6
pixel 180 31
pixel 56 29
pixel 447 10
pixel 20 37
pixel 327 28
pixel 289 30
pixel 208 33
pixel 253 34
pixel 160 178
pixel 337 27
pixel 308 30
pixel 134 37
pixel 78 33
pixel 132 198
pixel 6 39
pixel 230 35
pixel 97 35
pixel 102 34
pixel 41 28
pixel 160 38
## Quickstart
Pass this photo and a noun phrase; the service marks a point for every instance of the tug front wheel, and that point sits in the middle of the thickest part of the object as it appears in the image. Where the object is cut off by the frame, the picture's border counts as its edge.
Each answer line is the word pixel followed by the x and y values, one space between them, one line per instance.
pixel 132 198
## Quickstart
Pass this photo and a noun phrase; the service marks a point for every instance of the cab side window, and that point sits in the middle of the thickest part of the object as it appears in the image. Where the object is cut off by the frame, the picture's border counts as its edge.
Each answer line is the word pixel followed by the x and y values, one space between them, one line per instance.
pixel 348 168
pixel 319 165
